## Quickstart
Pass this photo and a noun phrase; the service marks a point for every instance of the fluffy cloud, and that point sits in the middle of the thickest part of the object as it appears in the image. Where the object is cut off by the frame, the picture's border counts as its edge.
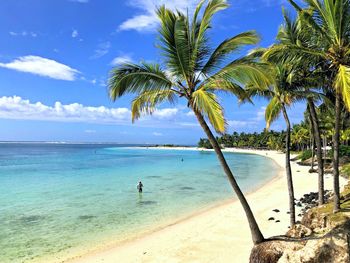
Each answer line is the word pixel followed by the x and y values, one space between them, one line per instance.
pixel 75 33
pixel 167 113
pixel 147 19
pixel 121 59
pixel 17 108
pixel 42 67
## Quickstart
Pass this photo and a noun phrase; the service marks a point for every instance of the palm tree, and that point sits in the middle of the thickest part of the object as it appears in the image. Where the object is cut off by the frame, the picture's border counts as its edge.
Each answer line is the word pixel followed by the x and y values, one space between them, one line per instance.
pixel 328 29
pixel 292 33
pixel 191 70
pixel 280 94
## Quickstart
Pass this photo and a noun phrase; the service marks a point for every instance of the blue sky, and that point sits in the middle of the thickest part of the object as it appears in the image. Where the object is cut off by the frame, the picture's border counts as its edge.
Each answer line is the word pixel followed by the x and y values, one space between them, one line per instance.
pixel 55 57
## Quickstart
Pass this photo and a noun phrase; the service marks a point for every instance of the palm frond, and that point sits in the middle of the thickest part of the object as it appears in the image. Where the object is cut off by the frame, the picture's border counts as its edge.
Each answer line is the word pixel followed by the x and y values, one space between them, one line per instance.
pixel 206 103
pixel 243 71
pixel 272 111
pixel 132 78
pixel 342 84
pixel 147 101
pixel 227 47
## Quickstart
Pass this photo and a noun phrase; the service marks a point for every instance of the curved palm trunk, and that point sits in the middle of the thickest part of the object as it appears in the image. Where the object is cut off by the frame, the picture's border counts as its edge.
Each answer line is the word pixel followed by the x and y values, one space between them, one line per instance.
pixel 289 170
pixel 317 138
pixel 254 228
pixel 336 207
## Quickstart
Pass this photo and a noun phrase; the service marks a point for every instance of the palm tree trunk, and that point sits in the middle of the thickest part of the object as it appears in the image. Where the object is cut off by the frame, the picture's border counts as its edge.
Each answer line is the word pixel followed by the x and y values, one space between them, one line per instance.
pixel 336 207
pixel 254 228
pixel 317 138
pixel 312 152
pixel 289 170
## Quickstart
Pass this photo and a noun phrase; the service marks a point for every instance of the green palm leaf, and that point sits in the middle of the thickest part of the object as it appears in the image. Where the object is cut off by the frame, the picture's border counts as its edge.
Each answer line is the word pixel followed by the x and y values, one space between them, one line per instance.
pixel 342 84
pixel 227 47
pixel 207 104
pixel 132 78
pixel 272 111
pixel 147 102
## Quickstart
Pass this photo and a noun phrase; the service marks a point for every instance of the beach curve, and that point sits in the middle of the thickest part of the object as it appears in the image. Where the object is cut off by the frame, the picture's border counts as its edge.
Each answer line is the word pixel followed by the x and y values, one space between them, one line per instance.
pixel 219 234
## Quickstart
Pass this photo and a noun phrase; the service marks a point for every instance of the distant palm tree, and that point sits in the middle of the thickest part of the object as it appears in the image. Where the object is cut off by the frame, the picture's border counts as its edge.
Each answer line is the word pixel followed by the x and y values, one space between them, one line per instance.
pixel 193 71
pixel 328 29
pixel 307 77
pixel 281 94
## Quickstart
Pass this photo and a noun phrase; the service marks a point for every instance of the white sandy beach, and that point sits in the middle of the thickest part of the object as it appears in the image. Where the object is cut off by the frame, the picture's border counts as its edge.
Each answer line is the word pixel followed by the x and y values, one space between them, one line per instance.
pixel 220 234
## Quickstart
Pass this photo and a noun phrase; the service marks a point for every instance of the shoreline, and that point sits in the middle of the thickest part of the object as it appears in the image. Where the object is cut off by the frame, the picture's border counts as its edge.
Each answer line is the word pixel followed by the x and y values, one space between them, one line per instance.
pixel 182 241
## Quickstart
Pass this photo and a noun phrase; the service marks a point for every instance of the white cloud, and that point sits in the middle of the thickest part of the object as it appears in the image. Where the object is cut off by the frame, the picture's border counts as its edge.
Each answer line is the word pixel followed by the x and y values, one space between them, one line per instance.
pixel 102 49
pixel 157 134
pixel 121 59
pixel 21 109
pixel 17 108
pixel 240 124
pixel 75 33
pixel 249 122
pixel 42 67
pixel 190 114
pixel 147 19
pixel 23 34
pixel 166 113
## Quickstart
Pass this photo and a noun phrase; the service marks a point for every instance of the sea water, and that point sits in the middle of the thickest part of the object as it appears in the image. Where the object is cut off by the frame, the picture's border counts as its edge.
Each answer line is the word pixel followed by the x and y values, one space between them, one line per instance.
pixel 58 199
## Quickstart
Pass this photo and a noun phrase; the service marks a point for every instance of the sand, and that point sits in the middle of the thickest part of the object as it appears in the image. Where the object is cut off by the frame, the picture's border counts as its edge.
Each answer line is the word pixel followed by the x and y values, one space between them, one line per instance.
pixel 220 234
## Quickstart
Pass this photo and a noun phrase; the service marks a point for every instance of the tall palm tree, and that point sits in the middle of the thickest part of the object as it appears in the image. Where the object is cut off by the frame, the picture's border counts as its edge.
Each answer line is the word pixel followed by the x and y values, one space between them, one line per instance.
pixel 328 24
pixel 191 70
pixel 281 94
pixel 292 33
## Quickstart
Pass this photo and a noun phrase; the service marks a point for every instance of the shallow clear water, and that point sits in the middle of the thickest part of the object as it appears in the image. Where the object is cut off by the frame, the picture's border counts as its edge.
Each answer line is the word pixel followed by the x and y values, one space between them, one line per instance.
pixel 60 198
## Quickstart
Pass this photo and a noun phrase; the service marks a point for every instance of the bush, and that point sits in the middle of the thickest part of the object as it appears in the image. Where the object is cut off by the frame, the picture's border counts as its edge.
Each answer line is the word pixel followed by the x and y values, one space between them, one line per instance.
pixel 344 150
pixel 345 170
pixel 307 154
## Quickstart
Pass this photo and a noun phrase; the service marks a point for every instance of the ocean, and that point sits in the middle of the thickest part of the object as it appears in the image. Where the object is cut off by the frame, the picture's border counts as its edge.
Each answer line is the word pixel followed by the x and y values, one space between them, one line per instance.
pixel 58 200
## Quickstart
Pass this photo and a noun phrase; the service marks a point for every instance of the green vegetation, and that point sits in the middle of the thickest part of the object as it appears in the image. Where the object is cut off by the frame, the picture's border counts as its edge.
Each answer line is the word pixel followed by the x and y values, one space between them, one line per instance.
pixel 307 154
pixel 309 62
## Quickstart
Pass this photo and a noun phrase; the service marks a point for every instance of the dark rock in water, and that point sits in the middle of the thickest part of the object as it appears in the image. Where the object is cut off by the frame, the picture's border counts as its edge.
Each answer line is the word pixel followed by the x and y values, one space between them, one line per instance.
pixel 277 221
pixel 298 204
pixel 276 210
pixel 147 202
pixel 186 188
pixel 299 214
pixel 271 218
pixel 86 217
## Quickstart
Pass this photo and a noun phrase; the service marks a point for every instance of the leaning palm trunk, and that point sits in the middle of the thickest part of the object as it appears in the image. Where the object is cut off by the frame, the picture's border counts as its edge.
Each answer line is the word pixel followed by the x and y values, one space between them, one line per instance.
pixel 289 170
pixel 317 139
pixel 254 228
pixel 336 207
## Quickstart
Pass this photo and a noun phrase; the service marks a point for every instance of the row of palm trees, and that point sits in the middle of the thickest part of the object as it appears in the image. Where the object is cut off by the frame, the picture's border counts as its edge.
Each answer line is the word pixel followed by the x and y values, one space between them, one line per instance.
pixel 309 59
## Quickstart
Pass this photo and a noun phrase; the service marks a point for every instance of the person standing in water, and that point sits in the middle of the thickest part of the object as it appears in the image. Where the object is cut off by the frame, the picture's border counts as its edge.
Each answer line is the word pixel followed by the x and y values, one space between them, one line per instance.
pixel 139 187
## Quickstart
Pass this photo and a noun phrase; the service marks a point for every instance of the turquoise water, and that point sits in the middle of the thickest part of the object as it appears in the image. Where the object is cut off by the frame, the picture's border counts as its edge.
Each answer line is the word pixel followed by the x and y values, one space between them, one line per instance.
pixel 58 199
